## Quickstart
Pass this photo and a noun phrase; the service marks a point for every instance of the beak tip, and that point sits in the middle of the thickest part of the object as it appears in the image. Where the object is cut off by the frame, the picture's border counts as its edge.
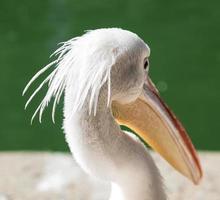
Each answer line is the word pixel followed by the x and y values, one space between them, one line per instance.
pixel 197 176
pixel 198 180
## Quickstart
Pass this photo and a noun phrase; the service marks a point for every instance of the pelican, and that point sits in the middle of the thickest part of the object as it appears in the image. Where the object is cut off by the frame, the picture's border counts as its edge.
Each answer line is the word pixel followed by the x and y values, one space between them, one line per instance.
pixel 103 75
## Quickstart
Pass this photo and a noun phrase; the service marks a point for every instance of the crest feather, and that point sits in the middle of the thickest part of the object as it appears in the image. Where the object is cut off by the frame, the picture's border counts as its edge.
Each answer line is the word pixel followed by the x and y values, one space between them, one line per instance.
pixel 82 66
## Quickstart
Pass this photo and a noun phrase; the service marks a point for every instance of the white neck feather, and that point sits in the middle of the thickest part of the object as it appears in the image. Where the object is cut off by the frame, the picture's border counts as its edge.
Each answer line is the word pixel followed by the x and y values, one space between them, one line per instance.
pixel 104 151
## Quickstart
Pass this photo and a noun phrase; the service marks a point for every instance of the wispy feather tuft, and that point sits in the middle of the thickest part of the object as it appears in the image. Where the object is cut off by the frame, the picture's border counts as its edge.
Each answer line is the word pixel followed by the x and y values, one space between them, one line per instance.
pixel 82 66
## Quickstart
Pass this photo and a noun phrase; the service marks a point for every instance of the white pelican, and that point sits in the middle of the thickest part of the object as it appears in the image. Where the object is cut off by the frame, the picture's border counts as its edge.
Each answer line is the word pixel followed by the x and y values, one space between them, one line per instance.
pixel 104 77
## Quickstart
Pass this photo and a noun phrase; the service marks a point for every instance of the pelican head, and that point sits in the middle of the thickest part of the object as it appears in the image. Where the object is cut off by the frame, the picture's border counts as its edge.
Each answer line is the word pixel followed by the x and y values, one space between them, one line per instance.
pixel 107 69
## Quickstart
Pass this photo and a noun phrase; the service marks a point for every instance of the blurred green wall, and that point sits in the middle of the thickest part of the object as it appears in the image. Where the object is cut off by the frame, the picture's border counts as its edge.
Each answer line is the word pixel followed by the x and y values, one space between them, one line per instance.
pixel 184 37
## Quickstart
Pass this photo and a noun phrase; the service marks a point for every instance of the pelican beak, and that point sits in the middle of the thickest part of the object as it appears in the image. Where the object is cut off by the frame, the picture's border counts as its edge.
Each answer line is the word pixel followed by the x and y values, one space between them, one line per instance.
pixel 155 123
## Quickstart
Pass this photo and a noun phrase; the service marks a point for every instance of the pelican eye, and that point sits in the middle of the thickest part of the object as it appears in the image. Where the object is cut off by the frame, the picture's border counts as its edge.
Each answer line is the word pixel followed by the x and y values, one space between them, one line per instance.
pixel 146 64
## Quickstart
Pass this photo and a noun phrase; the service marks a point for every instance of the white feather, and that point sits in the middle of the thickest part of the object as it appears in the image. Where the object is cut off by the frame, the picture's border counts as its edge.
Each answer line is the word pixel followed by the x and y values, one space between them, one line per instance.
pixel 82 66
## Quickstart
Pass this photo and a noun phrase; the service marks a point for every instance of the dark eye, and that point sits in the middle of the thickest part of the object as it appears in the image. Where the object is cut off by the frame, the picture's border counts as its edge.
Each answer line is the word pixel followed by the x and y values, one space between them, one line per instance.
pixel 146 64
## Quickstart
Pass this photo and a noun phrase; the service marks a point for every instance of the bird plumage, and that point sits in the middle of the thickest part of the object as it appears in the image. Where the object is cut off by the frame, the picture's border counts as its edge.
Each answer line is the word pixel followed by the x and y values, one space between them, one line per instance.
pixel 84 64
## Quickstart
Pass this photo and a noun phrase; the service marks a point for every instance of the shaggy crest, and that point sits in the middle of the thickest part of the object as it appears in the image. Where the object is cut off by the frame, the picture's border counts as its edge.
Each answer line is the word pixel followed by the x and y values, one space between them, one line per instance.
pixel 83 65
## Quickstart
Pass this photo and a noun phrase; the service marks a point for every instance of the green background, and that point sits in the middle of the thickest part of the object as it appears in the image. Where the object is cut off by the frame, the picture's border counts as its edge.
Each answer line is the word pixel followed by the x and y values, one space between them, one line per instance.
pixel 184 37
